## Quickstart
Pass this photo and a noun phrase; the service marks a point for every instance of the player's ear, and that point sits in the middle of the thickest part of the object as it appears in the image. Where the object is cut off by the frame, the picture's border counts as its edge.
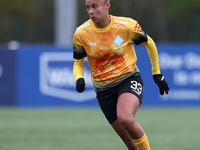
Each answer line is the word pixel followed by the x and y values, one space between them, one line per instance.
pixel 108 5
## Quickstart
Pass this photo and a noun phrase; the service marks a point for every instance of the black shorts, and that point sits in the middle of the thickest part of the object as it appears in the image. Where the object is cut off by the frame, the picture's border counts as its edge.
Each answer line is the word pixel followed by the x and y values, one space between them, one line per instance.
pixel 108 99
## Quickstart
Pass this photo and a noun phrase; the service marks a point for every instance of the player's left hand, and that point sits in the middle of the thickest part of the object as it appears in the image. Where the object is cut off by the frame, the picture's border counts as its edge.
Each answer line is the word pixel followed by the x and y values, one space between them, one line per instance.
pixel 80 85
pixel 161 82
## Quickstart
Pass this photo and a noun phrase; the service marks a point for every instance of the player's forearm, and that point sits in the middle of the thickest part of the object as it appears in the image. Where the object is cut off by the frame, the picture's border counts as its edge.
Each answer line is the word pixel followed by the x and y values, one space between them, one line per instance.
pixel 78 68
pixel 153 55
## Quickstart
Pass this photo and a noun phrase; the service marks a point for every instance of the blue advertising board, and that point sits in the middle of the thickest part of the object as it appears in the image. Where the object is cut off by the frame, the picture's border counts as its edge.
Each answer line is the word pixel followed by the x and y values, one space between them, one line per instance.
pixel 45 77
pixel 7 78
pixel 180 64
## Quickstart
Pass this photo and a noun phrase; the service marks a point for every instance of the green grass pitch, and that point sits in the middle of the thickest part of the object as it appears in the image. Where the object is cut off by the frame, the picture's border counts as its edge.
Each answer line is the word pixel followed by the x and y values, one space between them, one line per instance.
pixel 87 129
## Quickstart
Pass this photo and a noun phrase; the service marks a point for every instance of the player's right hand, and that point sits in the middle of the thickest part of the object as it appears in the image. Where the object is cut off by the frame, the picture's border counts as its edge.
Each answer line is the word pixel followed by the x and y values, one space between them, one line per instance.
pixel 80 85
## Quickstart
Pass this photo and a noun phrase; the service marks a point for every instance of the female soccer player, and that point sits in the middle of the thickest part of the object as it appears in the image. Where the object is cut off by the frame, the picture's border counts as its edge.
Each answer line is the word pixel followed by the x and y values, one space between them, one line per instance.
pixel 107 42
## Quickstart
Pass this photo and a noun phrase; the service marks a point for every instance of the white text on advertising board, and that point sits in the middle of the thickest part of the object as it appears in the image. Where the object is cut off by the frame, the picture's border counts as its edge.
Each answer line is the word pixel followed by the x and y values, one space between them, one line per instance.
pixel 57 80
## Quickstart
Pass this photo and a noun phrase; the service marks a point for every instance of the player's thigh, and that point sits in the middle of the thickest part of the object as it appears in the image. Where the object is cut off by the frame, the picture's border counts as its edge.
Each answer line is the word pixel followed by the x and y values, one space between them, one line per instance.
pixel 130 96
pixel 127 105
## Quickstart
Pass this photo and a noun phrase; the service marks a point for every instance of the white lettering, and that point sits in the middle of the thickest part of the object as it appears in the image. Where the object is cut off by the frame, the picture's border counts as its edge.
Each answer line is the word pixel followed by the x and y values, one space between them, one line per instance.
pixel 192 61
pixel 195 78
pixel 182 95
pixel 92 44
pixel 58 80
pixel 60 77
pixel 184 78
pixel 181 78
pixel 174 62
pixel 170 62
pixel 63 77
pixel 137 87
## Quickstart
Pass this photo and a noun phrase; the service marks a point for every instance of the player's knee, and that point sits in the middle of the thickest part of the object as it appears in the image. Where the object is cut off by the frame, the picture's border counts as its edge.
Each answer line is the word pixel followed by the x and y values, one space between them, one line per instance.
pixel 127 121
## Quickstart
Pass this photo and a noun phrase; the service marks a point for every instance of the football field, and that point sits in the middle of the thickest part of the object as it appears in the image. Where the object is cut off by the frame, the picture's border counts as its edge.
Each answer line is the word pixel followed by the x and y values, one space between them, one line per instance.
pixel 87 129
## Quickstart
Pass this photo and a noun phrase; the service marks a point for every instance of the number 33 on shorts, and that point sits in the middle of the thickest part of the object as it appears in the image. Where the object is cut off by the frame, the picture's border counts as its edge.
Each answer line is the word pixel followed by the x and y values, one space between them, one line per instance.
pixel 136 87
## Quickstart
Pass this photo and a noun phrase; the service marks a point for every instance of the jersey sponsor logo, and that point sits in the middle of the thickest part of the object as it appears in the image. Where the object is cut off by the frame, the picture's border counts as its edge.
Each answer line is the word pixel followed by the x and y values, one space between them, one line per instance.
pixel 57 79
pixel 92 44
pixel 136 87
pixel 121 22
pixel 118 41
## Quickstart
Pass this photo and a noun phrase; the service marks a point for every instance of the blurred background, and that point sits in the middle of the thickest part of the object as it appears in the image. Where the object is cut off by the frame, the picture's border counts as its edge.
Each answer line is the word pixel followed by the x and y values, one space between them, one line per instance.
pixel 36 46
pixel 35 21
pixel 36 63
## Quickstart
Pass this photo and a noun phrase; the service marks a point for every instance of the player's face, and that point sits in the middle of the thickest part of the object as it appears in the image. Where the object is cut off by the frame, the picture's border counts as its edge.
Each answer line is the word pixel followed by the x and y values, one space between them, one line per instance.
pixel 97 10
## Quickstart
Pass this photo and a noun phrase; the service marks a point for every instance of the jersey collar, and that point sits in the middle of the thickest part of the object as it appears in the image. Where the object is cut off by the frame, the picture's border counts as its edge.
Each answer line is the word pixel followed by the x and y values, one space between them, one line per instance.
pixel 103 29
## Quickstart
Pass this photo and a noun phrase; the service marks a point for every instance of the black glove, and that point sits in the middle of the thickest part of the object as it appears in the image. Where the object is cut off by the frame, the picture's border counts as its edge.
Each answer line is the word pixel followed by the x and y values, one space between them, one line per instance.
pixel 161 82
pixel 80 85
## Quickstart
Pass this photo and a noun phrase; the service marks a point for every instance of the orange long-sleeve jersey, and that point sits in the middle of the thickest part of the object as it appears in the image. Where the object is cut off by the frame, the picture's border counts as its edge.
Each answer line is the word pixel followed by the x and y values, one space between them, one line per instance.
pixel 110 51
